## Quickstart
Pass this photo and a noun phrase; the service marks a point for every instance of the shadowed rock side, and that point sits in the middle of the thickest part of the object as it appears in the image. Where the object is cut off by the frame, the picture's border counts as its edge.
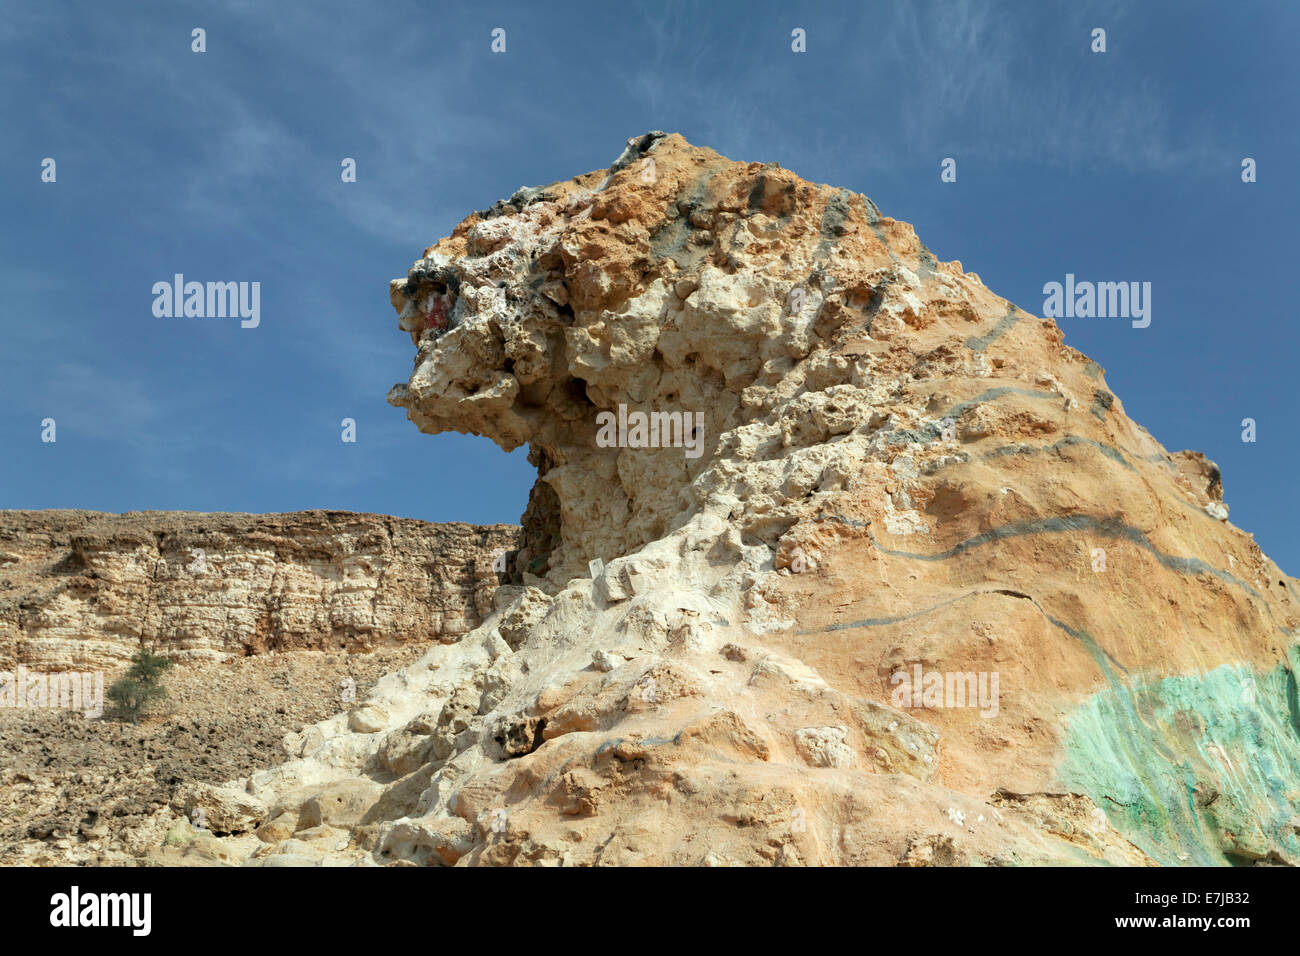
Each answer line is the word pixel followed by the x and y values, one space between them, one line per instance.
pixel 83 589
pixel 902 476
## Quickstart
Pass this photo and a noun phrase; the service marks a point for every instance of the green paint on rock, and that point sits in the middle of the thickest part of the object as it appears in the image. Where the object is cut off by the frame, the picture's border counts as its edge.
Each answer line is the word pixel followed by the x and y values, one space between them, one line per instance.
pixel 1202 770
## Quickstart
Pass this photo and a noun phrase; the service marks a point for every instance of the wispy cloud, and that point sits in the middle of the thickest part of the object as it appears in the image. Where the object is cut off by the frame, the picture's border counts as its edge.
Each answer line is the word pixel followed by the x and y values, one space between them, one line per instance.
pixel 1007 86
pixel 996 82
pixel 97 403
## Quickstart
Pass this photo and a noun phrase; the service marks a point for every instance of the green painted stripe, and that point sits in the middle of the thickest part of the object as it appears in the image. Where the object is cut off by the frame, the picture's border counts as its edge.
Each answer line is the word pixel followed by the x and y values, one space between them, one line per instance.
pixel 980 343
pixel 1109 451
pixel 1107 527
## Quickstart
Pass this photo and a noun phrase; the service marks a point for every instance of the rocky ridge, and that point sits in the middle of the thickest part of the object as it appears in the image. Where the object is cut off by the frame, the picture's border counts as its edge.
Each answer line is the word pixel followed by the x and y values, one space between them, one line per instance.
pixel 84 590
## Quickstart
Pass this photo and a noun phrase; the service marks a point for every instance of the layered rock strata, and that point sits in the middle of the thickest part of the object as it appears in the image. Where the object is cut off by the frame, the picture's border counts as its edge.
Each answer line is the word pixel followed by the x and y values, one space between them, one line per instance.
pixel 84 590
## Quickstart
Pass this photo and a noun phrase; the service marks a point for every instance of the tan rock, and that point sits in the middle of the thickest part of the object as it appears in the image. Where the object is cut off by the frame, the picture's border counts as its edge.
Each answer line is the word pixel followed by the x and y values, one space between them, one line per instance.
pixel 223 810
pixel 342 804
pixel 899 476
pixel 368 719
pixel 83 589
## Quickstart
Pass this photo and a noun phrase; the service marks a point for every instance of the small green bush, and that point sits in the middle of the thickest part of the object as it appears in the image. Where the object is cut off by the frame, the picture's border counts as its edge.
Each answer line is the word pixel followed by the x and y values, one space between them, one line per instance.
pixel 141 686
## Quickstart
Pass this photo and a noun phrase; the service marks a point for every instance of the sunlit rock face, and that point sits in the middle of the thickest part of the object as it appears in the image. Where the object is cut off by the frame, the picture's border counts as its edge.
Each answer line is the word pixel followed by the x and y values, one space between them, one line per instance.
pixel 906 587
pixel 83 589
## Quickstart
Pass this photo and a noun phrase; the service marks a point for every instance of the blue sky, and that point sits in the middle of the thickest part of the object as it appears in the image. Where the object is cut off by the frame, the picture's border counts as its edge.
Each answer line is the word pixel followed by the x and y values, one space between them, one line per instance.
pixel 225 166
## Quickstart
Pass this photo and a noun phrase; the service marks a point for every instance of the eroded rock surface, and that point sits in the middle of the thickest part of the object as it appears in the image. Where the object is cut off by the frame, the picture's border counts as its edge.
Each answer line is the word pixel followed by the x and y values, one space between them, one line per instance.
pixel 700 659
pixel 83 590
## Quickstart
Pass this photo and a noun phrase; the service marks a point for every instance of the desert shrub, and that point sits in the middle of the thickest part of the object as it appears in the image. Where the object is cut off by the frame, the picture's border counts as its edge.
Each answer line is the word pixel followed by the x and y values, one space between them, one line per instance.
pixel 142 685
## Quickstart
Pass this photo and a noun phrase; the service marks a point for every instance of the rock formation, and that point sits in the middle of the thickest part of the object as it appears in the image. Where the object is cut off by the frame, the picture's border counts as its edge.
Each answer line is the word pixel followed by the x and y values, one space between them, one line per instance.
pixel 907 484
pixel 83 590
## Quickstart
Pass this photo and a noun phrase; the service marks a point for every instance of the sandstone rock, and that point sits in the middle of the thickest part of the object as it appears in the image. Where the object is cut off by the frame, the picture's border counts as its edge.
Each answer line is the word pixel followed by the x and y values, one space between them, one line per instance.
pixel 83 589
pixel 605 661
pixel 897 470
pixel 342 804
pixel 497 682
pixel 456 717
pixel 438 842
pixel 285 817
pixel 368 719
pixel 529 608
pixel 935 849
pixel 825 746
pixel 223 809
pixel 200 849
pixel 411 747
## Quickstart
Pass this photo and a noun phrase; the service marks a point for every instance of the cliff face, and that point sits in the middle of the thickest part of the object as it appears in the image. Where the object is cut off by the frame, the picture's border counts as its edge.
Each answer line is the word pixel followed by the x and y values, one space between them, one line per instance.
pixel 83 590
pixel 905 586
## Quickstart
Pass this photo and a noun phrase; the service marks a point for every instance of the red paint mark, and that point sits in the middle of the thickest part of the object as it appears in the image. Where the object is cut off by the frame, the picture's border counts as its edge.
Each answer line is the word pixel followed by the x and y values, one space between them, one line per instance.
pixel 436 318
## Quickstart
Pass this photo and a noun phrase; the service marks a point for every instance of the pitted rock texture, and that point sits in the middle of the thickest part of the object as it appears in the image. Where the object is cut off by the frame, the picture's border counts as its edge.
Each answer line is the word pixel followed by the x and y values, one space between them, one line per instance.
pixel 82 590
pixel 902 473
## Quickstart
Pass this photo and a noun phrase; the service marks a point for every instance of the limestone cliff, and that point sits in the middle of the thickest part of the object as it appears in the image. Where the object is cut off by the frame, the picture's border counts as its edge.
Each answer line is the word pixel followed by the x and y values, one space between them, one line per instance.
pixel 82 590
pixel 903 476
